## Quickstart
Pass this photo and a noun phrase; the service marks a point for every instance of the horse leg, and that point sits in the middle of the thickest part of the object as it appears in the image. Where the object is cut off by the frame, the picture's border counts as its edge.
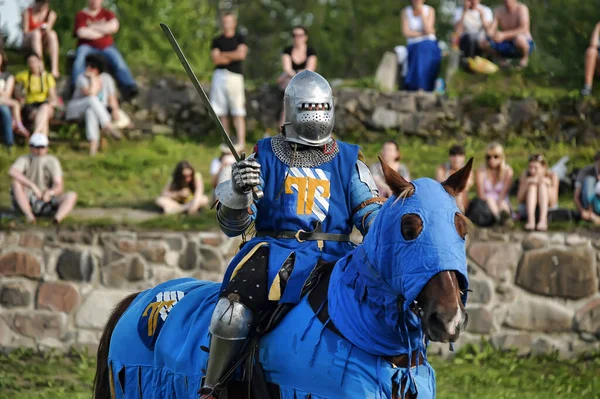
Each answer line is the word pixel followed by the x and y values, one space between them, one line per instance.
pixel 102 389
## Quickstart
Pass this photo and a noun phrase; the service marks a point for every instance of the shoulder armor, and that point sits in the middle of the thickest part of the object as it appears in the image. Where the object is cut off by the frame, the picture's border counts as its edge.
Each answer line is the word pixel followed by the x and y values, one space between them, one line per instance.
pixel 365 176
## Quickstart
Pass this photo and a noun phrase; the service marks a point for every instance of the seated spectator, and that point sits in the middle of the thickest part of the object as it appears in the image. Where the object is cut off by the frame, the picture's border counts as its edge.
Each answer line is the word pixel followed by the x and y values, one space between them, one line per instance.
pixel 514 39
pixel 37 183
pixel 591 61
pixel 456 160
pixel 296 58
pixel 493 183
pixel 38 24
pixel 184 192
pixel 424 55
pixel 585 185
pixel 220 168
pixel 95 101
pixel 94 29
pixel 390 153
pixel 471 23
pixel 9 109
pixel 538 192
pixel 40 94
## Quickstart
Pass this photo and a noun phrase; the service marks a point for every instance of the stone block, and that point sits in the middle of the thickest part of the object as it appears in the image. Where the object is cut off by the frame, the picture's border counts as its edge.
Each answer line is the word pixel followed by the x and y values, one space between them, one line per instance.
pixel 39 324
pixel 172 259
pixel 555 272
pixel 385 75
pixel 383 118
pixel 426 101
pixel 154 253
pixel 212 239
pixel 211 260
pixel 16 293
pixel 545 345
pixel 11 239
pixel 111 255
pixel 587 319
pixel 76 237
pixel 190 259
pixel 481 320
pixel 58 296
pixel 87 340
pixel 497 259
pixel 97 307
pixel 10 339
pixel 401 102
pixel 539 315
pixel 482 291
pixel 162 274
pixel 120 273
pixel 31 240
pixel 575 240
pixel 521 342
pixel 20 264
pixel 535 241
pixel 75 265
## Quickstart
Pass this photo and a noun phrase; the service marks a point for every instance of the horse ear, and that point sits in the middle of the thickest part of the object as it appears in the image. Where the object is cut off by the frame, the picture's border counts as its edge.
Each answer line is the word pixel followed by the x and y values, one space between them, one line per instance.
pixel 396 182
pixel 457 181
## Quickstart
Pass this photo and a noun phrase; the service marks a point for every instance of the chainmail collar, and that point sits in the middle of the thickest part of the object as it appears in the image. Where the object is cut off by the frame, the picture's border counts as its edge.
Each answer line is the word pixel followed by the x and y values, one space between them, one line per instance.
pixel 303 156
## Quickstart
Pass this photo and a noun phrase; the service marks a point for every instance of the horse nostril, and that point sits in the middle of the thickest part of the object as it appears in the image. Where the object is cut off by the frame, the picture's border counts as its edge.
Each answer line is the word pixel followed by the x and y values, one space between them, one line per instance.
pixel 436 322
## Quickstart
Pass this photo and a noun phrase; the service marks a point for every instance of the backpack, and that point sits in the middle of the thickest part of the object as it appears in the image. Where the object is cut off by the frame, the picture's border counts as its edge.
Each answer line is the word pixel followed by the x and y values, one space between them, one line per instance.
pixel 479 213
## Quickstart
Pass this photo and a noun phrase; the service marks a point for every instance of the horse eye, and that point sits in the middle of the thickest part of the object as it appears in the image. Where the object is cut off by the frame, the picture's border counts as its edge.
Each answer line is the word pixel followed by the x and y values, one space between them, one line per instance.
pixel 461 226
pixel 411 226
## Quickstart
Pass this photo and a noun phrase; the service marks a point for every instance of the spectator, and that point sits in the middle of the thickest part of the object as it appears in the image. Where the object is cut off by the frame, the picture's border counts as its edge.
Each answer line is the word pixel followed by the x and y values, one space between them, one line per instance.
pixel 390 153
pixel 591 61
pixel 220 168
pixel 95 100
pixel 424 55
pixel 94 29
pixel 38 24
pixel 585 184
pixel 9 109
pixel 456 160
pixel 37 183
pixel 493 183
pixel 514 40
pixel 227 89
pixel 538 191
pixel 471 23
pixel 40 94
pixel 296 58
pixel 184 192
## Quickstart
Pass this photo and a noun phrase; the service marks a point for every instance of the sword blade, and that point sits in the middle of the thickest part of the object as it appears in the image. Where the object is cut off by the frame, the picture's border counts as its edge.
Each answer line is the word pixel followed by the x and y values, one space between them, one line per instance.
pixel 188 69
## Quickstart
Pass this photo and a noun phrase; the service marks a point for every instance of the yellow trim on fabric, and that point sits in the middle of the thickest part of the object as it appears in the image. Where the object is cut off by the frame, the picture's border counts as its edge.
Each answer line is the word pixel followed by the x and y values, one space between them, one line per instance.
pixel 275 290
pixel 245 259
pixel 111 382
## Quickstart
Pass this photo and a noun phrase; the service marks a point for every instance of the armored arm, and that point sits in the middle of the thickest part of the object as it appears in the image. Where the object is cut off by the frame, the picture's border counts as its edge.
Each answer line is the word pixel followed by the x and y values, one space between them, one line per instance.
pixel 236 209
pixel 364 197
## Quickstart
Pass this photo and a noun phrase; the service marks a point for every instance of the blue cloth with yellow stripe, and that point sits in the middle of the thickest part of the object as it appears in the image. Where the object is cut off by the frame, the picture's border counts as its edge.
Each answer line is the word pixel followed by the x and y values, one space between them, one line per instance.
pixel 297 198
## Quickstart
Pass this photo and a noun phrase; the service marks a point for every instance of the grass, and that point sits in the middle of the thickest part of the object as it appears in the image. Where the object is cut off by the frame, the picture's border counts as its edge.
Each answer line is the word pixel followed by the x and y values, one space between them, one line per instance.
pixel 132 173
pixel 474 373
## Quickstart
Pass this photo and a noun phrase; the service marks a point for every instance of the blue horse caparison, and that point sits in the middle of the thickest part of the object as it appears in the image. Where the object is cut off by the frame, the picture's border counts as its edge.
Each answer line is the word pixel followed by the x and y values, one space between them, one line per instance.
pixel 156 347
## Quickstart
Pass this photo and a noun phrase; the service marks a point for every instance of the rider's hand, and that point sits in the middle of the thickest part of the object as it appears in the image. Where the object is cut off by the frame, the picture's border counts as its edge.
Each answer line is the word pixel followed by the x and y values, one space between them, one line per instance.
pixel 245 174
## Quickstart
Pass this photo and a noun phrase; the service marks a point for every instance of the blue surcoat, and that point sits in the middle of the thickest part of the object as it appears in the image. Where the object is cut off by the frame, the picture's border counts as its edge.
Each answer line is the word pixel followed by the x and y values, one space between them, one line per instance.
pixel 297 198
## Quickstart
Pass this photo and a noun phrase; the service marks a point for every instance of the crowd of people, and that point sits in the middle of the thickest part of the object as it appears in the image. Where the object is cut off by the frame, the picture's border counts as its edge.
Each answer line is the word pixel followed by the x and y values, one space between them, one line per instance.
pixel 503 33
pixel 29 99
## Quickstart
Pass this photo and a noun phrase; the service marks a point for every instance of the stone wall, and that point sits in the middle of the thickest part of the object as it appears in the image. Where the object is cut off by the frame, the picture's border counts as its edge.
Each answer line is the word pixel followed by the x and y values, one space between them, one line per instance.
pixel 166 106
pixel 536 292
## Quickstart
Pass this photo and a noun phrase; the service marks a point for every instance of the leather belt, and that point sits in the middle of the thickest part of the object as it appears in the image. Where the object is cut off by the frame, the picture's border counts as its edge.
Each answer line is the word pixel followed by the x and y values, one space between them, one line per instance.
pixel 302 235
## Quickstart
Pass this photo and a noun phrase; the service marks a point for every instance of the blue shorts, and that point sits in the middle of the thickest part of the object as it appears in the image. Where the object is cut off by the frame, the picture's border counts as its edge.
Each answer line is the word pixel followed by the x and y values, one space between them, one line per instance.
pixel 508 49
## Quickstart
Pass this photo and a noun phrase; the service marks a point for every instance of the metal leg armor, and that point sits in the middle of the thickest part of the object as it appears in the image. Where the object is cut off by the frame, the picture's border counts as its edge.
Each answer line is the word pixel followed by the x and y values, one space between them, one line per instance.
pixel 230 325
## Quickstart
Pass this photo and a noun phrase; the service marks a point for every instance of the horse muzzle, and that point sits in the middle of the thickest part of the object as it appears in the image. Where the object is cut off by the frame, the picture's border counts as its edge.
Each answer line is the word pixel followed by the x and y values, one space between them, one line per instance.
pixel 445 327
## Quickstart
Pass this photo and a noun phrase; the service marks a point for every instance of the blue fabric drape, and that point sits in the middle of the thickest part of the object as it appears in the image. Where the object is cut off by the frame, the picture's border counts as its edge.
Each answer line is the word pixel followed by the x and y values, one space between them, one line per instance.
pixel 424 60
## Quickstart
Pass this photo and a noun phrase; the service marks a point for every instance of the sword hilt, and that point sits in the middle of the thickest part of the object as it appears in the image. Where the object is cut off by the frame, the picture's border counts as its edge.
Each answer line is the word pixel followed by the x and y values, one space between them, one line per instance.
pixel 257 193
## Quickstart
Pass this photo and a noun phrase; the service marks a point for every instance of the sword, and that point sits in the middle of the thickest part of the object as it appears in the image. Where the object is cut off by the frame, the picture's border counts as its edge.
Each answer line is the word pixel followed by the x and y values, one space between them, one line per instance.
pixel 256 192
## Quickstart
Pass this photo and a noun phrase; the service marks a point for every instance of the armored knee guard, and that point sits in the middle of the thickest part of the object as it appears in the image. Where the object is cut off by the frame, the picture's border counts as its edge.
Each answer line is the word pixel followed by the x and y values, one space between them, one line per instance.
pixel 230 325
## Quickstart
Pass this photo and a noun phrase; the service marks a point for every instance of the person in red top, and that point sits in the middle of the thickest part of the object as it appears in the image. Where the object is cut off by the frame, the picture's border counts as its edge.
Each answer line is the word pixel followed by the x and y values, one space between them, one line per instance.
pixel 38 23
pixel 94 29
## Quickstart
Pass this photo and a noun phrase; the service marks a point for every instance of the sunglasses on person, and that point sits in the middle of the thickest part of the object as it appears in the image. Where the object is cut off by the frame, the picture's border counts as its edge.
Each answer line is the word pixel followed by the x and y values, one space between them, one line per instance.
pixel 298 34
pixel 492 156
pixel 38 147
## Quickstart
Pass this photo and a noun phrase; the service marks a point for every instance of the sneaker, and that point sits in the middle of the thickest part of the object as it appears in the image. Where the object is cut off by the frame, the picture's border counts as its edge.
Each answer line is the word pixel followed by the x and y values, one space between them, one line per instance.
pixel 586 91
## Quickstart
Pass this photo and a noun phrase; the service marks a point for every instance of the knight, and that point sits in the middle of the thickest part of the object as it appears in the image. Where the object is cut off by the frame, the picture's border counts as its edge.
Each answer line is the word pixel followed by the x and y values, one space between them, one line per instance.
pixel 315 189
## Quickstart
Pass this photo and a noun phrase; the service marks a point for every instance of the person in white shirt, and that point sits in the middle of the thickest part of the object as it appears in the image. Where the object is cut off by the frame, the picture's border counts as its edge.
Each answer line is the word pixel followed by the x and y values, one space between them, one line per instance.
pixel 471 24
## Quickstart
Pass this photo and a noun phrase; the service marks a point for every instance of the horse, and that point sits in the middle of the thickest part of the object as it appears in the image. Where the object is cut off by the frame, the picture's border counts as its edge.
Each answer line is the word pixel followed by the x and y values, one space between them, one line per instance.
pixel 360 331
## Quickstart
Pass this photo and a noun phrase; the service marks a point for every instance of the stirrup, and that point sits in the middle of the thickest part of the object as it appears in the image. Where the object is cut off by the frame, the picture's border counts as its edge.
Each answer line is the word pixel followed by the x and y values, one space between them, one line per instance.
pixel 207 392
